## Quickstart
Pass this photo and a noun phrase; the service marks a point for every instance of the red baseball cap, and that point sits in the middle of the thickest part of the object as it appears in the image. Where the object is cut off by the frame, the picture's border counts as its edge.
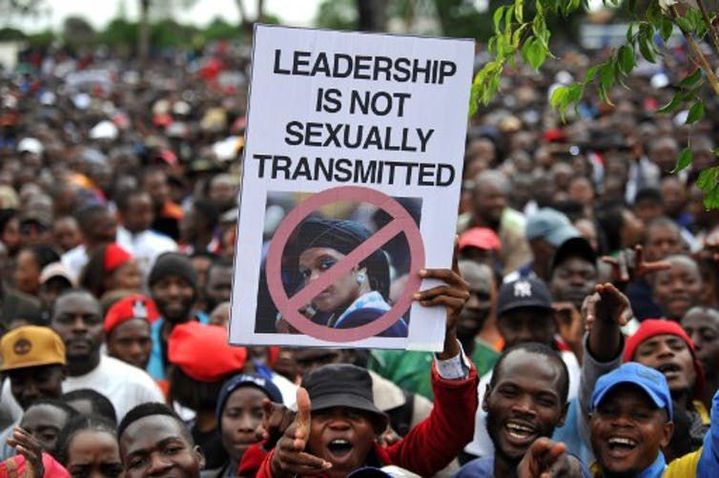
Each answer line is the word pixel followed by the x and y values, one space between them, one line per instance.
pixel 203 352
pixel 134 306
pixel 480 237
pixel 651 328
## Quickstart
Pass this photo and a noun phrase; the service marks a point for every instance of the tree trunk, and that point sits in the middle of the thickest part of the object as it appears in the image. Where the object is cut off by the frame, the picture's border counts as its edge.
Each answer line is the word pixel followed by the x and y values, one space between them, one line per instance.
pixel 372 15
pixel 243 11
pixel 260 11
pixel 143 41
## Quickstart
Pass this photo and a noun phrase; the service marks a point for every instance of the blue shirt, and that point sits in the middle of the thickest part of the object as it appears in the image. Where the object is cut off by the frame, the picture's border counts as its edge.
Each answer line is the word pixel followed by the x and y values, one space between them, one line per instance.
pixel 479 468
pixel 569 434
pixel 709 461
pixel 156 365
pixel 655 470
pixel 484 468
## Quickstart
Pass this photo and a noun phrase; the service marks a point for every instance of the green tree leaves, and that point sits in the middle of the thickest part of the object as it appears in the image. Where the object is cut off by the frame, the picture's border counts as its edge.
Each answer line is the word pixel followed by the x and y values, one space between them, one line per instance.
pixel 527 36
pixel 684 160
pixel 696 112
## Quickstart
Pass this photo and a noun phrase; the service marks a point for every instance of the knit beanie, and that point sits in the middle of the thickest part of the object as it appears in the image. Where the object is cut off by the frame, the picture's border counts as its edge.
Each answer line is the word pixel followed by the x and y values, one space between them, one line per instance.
pixel 263 384
pixel 172 264
pixel 653 327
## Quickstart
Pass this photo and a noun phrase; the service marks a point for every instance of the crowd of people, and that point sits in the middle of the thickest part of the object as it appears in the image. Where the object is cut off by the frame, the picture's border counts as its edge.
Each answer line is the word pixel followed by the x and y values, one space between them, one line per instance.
pixel 582 330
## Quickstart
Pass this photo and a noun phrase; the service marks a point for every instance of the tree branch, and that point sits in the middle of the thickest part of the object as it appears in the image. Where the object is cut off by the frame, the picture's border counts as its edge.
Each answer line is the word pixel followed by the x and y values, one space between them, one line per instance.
pixel 699 56
pixel 712 30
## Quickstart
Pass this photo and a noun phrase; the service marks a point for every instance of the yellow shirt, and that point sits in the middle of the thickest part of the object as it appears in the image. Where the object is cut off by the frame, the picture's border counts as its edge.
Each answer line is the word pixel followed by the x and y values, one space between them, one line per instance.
pixel 684 467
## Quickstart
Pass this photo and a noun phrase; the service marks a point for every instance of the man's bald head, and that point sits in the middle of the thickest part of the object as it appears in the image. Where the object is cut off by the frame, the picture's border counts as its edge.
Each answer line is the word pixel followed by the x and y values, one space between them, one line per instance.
pixel 482 290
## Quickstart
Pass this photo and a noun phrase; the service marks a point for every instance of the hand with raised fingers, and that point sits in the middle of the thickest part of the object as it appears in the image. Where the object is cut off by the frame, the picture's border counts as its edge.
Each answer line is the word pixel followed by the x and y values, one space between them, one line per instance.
pixel 26 445
pixel 289 458
pixel 630 265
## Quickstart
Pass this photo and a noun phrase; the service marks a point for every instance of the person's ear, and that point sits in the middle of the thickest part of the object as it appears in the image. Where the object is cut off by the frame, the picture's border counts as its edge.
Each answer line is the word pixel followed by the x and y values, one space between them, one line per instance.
pixel 361 276
pixel 485 399
pixel 197 451
pixel 563 416
pixel 667 432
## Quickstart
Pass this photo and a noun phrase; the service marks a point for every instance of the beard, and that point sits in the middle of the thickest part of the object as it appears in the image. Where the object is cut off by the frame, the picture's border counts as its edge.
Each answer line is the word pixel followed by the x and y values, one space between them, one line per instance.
pixel 493 430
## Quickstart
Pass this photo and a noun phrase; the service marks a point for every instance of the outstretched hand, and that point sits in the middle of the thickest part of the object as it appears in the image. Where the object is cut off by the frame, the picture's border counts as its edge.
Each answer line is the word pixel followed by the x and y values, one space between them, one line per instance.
pixel 547 459
pixel 290 458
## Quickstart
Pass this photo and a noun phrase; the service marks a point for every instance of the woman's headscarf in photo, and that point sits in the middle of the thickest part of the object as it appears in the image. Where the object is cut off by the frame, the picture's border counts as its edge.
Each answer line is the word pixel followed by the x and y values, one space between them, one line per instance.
pixel 344 236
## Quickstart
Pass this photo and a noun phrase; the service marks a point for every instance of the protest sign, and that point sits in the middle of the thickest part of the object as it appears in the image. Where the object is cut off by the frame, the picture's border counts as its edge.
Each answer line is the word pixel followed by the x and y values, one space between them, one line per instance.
pixel 351 180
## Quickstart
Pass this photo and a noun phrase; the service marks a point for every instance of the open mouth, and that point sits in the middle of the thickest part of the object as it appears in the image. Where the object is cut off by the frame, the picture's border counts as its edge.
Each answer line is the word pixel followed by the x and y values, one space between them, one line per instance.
pixel 519 432
pixel 339 447
pixel 620 446
pixel 670 370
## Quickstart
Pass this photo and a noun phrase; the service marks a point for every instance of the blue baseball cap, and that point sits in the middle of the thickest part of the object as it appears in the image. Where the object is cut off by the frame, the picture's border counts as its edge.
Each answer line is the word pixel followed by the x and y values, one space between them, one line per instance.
pixel 550 225
pixel 651 381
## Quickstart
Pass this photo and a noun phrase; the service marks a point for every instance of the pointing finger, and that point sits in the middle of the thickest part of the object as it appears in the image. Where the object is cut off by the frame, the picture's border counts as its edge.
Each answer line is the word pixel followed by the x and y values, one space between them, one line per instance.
pixel 302 431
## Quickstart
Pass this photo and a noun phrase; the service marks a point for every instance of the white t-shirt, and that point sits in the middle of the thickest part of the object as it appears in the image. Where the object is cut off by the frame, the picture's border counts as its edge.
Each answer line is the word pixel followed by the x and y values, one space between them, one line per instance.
pixel 287 389
pixel 124 385
pixel 75 259
pixel 481 445
pixel 146 246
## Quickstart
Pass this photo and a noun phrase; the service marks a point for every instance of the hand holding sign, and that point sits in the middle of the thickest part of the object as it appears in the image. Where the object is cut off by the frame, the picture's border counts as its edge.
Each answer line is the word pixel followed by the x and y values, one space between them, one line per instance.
pixel 290 458
pixel 453 295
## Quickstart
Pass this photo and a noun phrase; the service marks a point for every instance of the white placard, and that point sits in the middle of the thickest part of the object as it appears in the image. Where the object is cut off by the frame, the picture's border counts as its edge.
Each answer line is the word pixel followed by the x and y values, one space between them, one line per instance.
pixel 351 182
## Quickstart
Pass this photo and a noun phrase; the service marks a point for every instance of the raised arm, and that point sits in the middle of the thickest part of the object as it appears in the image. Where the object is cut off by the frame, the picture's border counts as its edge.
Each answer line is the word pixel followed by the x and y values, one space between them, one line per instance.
pixel 433 443
pixel 709 461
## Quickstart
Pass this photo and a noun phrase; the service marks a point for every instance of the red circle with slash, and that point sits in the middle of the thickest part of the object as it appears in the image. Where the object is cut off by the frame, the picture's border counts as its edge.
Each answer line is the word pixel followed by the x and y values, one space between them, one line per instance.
pixel 401 223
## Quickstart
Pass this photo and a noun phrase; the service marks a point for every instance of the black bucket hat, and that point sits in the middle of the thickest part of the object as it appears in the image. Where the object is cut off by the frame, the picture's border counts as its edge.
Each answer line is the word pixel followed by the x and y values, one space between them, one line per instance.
pixel 342 385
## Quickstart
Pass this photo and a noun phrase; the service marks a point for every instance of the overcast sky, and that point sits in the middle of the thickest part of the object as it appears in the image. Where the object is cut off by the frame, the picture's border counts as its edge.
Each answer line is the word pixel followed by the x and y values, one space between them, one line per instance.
pixel 100 12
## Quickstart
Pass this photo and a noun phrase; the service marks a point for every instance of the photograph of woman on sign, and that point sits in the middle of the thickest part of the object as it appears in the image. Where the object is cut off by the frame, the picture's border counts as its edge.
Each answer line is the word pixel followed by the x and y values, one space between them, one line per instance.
pixel 358 297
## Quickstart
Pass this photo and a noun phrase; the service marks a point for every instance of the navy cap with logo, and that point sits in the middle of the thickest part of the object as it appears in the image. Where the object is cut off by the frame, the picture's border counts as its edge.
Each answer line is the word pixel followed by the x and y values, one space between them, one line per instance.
pixel 341 385
pixel 523 293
